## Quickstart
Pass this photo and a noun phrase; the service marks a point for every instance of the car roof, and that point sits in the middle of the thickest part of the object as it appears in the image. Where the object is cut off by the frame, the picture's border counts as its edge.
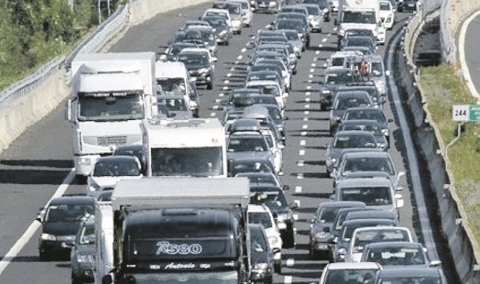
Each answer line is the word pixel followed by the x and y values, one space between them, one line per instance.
pixel 394 245
pixel 410 271
pixel 342 204
pixel 258 208
pixel 72 199
pixel 379 221
pixel 352 265
pixel 359 182
pixel 370 214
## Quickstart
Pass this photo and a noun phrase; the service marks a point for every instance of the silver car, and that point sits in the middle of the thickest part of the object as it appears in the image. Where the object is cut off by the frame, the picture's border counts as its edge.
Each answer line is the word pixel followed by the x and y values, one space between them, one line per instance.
pixel 83 252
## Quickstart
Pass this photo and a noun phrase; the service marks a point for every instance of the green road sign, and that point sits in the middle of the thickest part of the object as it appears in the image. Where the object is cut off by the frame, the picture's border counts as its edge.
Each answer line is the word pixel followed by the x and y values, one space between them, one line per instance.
pixel 466 113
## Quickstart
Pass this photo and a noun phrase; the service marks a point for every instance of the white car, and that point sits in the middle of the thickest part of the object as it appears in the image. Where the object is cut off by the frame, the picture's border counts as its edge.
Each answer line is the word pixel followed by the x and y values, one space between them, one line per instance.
pixel 247 13
pixel 108 170
pixel 261 214
pixel 367 235
pixel 347 272
pixel 387 13
pixel 220 13
pixel 273 88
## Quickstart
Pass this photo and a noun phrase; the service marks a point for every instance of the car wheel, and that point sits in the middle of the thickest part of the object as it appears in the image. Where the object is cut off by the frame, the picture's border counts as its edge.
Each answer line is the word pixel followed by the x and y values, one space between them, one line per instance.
pixel 43 256
pixel 323 107
pixel 209 86
pixel 277 267
pixel 76 280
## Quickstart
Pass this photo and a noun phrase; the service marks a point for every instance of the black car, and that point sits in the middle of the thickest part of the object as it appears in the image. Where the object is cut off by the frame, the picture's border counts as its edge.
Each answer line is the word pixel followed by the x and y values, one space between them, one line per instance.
pixel 274 198
pixel 83 252
pixel 222 31
pixel 171 52
pixel 321 226
pixel 61 220
pixel 261 255
pixel 333 78
pixel 407 5
pixel 199 65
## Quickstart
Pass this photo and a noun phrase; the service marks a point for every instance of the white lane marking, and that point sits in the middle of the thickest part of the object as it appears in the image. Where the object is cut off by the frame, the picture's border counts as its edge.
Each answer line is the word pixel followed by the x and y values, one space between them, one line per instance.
pixel 218 101
pixel 301 152
pixel 324 39
pixel 309 81
pixel 287 279
pixel 307 106
pixel 221 94
pixel 226 82
pixel 305 126
pixel 312 70
pixel 290 262
pixel 315 59
pixel 232 69
pixel 307 93
pixel 215 107
pixel 300 163
pixel 313 64
pixel 310 76
pixel 34 226
pixel 225 88
pixel 243 50
pixel 300 176
pixel 320 45
pixel 303 133
pixel 309 87
pixel 239 57
pixel 306 112
pixel 307 99
pixel 305 119
pixel 298 189
pixel 303 142
pixel 325 64
pixel 236 62
pixel 317 52
pixel 213 114
pixel 229 74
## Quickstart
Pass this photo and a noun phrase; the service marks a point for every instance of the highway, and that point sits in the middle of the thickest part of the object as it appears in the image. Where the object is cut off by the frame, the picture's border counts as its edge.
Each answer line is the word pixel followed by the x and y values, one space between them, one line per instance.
pixel 36 164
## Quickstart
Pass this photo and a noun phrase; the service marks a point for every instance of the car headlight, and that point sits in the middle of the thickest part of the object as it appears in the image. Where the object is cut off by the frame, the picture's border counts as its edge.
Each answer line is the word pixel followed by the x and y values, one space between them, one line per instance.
pixel 284 216
pixel 272 4
pixel 330 161
pixel 203 71
pixel 385 132
pixel 321 235
pixel 48 237
pixel 85 161
pixel 272 240
pixel 341 253
pixel 381 145
pixel 222 33
pixel 341 32
pixel 94 187
pixel 297 49
pixel 84 258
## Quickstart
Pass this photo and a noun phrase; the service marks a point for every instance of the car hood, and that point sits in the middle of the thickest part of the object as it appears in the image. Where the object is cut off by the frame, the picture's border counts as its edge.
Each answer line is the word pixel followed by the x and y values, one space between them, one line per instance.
pixel 86 249
pixel 193 67
pixel 61 228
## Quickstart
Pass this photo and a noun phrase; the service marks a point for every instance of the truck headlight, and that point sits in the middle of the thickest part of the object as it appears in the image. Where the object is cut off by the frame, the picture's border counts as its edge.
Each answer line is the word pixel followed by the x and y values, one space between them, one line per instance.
pixel 48 237
pixel 85 161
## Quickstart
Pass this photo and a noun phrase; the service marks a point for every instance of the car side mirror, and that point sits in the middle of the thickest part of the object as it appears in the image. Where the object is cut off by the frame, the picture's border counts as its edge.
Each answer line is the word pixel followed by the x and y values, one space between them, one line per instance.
pixel 390 120
pixel 286 187
pixel 293 205
pixel 332 196
pixel 214 59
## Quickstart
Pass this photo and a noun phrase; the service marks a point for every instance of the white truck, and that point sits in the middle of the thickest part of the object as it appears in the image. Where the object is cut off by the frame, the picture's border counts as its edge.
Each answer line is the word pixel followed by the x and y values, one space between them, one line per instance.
pixel 103 240
pixel 111 94
pixel 193 147
pixel 181 230
pixel 360 14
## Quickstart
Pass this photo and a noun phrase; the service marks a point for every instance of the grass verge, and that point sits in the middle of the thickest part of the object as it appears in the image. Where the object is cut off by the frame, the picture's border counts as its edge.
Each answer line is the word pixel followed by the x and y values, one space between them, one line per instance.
pixel 443 88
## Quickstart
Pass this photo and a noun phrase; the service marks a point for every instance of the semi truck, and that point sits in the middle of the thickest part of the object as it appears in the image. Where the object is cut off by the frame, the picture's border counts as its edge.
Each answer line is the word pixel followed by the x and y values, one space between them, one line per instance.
pixel 111 94
pixel 192 147
pixel 181 230
pixel 103 240
pixel 360 14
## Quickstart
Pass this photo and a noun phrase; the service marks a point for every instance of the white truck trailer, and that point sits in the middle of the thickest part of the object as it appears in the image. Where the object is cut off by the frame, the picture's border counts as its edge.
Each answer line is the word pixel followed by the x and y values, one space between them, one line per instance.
pixel 194 148
pixel 360 14
pixel 111 94
pixel 104 240
pixel 181 230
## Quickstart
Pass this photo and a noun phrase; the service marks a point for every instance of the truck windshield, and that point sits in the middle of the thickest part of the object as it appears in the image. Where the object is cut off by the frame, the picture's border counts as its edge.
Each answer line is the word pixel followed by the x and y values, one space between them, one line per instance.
pixel 364 17
pixel 197 162
pixel 110 106
pixel 176 85
pixel 224 277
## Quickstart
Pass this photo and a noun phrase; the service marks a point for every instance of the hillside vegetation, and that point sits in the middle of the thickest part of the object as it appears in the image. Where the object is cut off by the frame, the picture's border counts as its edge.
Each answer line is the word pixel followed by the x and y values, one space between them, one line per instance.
pixel 35 31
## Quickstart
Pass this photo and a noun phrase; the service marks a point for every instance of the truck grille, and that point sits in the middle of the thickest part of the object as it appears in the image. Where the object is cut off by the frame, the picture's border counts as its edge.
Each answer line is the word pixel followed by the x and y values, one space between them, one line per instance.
pixel 111 140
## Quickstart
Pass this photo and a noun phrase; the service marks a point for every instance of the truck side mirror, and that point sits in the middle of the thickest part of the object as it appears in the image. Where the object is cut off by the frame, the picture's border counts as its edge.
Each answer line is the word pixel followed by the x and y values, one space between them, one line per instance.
pixel 69 110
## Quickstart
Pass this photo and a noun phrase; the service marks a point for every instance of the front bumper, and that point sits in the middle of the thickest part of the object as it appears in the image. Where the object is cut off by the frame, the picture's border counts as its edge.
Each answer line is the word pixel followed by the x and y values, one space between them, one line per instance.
pixel 82 270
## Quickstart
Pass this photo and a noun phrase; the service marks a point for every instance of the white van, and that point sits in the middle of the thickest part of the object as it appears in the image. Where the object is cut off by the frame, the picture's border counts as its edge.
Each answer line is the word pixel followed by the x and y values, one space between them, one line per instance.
pixel 103 240
pixel 173 77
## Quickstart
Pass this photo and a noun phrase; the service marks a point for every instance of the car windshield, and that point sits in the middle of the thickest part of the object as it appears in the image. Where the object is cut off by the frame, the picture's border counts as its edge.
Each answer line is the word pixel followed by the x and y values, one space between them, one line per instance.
pixel 247 144
pixel 372 114
pixel 87 235
pixel 347 140
pixel 405 279
pixel 216 22
pixel 273 199
pixel 347 276
pixel 288 25
pixel 261 218
pixel 250 166
pixel 326 215
pixel 365 237
pixel 343 103
pixel 258 242
pixel 396 255
pixel 370 164
pixel 174 104
pixel 338 78
pixel 371 196
pixel 193 58
pixel 69 212
pixel 370 127
pixel 116 168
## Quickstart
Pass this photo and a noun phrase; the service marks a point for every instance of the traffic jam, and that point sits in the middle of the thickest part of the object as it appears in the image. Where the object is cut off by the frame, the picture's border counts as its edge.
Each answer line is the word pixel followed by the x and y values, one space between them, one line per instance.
pixel 230 217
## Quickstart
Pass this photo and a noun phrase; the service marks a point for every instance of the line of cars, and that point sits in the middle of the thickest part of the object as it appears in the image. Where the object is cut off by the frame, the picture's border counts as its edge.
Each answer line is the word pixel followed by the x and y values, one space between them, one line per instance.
pixel 358 231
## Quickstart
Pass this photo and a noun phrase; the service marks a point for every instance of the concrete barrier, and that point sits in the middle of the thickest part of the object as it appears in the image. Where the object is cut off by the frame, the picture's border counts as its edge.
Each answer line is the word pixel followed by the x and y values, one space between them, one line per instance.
pixel 41 100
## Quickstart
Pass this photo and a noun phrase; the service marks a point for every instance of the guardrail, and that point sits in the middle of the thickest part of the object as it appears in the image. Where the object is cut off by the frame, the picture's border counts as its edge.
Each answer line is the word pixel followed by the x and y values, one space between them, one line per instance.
pixel 29 100
pixel 449 208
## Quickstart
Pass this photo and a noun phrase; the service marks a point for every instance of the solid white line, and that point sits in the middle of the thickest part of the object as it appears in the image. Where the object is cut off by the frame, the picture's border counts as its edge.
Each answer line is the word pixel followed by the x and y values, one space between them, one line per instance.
pixel 463 61
pixel 34 226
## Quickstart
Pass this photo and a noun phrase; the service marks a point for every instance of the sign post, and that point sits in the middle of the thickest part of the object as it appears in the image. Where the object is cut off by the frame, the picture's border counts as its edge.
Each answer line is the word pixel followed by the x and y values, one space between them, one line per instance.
pixel 461 114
